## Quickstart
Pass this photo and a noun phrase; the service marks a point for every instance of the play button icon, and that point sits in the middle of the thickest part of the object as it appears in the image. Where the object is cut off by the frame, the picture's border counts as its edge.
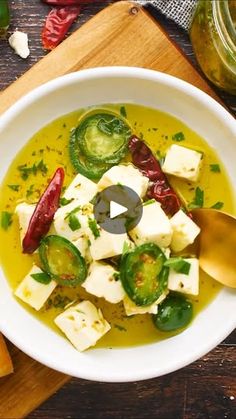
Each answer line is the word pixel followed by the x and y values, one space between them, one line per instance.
pixel 117 209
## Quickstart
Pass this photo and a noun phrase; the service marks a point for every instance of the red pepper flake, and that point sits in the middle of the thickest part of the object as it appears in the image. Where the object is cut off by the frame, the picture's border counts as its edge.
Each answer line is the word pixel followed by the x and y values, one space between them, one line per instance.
pixel 57 24
pixel 160 189
pixel 43 214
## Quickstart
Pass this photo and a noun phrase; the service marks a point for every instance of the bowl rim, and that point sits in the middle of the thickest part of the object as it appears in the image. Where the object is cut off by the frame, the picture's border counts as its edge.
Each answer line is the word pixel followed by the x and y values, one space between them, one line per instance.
pixel 119 72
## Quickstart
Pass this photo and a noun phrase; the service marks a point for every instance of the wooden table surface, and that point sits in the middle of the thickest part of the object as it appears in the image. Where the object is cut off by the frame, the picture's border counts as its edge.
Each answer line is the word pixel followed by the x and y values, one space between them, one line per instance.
pixel 206 388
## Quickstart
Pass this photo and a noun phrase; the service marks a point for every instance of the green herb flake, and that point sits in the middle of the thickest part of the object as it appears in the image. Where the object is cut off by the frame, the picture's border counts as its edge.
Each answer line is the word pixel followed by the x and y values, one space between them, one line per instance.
pixel 74 211
pixel 120 328
pixel 74 223
pixel 126 248
pixel 30 191
pixel 15 188
pixel 64 201
pixel 42 277
pixel 218 205
pixel 179 265
pixel 198 201
pixel 94 227
pixel 150 201
pixel 179 136
pixel 26 171
pixel 6 219
pixel 116 276
pixel 215 168
pixel 123 112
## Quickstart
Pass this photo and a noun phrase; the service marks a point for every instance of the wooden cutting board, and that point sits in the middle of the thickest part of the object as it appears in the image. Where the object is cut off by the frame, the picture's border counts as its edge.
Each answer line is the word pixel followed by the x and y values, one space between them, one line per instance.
pixel 122 34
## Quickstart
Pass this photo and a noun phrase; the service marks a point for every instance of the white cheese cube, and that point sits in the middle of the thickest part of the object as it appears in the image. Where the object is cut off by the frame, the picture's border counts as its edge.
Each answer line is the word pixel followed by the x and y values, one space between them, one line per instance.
pixel 182 162
pixel 24 212
pixel 19 42
pixel 126 175
pixel 187 284
pixel 131 308
pixel 82 189
pixel 83 245
pixel 107 245
pixel 154 226
pixel 83 324
pixel 33 292
pixel 102 282
pixel 62 221
pixel 184 231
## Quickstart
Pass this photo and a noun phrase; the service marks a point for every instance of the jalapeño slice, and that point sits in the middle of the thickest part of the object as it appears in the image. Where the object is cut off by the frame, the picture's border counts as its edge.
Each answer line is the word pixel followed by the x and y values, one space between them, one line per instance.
pixel 62 261
pixel 103 137
pixel 81 163
pixel 143 275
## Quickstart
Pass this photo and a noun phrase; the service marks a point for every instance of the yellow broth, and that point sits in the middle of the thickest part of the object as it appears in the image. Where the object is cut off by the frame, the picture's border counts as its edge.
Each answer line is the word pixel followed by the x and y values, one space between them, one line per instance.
pixel 50 144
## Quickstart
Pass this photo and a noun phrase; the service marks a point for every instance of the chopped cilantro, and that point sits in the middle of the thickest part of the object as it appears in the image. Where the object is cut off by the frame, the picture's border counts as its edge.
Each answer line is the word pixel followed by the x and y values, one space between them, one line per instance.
pixel 64 201
pixel 6 219
pixel 123 112
pixel 126 248
pixel 94 227
pixel 120 328
pixel 14 187
pixel 33 170
pixel 198 201
pixel 74 223
pixel 215 168
pixel 42 277
pixel 179 136
pixel 116 276
pixel 30 191
pixel 59 301
pixel 150 201
pixel 179 265
pixel 74 211
pixel 218 205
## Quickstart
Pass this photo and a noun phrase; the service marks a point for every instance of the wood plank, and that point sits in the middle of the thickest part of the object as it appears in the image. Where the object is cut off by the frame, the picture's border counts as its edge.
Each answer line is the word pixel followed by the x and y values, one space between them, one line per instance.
pixel 122 34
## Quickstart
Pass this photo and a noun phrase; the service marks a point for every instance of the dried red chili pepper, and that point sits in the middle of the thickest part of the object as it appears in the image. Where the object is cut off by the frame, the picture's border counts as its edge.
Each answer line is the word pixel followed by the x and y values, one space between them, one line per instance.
pixel 68 2
pixel 43 214
pixel 57 24
pixel 160 188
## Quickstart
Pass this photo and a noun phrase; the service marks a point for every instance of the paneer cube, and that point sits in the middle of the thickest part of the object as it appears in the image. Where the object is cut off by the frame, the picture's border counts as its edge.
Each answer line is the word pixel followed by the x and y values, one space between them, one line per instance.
pixel 126 175
pixel 81 189
pixel 72 221
pixel 24 212
pixel 154 226
pixel 33 292
pixel 83 324
pixel 182 162
pixel 184 231
pixel 187 284
pixel 131 308
pixel 83 245
pixel 102 281
pixel 107 245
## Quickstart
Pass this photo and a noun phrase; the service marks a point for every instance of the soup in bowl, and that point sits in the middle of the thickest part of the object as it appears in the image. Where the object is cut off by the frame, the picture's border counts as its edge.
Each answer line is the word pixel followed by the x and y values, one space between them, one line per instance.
pixel 84 299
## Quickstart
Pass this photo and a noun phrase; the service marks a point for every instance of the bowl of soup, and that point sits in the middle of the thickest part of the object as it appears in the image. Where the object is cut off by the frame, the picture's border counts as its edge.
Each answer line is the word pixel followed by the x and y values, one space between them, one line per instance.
pixel 77 296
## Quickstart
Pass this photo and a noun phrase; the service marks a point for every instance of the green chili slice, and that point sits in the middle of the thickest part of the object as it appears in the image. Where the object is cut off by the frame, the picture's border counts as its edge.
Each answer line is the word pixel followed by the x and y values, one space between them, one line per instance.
pixel 103 137
pixel 174 312
pixel 81 163
pixel 143 274
pixel 62 261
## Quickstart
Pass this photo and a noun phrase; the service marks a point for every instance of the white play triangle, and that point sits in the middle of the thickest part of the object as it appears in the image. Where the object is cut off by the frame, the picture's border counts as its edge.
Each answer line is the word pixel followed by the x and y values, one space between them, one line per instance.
pixel 116 209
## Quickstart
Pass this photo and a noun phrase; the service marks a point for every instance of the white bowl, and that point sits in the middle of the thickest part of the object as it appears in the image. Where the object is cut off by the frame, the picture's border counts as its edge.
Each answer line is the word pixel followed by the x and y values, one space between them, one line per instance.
pixel 94 87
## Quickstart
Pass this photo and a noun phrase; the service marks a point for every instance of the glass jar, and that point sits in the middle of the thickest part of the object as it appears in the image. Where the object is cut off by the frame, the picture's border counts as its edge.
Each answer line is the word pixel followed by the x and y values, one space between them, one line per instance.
pixel 213 36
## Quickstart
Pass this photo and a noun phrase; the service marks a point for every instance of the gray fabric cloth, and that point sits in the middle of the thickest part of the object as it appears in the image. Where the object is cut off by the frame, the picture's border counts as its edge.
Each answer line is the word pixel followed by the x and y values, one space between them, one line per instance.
pixel 180 11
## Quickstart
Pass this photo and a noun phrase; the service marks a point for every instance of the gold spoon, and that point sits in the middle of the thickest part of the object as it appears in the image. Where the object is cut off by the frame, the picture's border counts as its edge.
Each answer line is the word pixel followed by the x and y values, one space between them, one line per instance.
pixel 217 244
